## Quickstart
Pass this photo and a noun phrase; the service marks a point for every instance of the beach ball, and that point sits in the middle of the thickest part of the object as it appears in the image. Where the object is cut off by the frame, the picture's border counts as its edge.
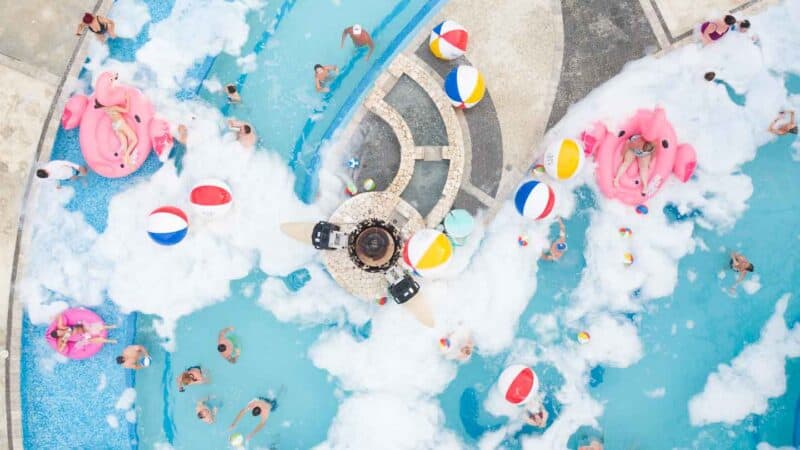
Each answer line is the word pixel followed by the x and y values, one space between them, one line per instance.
pixel 167 225
pixel 538 169
pixel 642 209
pixel 583 337
pixel 627 258
pixel 369 184
pixel 427 250
pixel 236 440
pixel 625 232
pixel 381 301
pixel 564 160
pixel 464 86
pixel 534 199
pixel 448 40
pixel 518 383
pixel 211 198
pixel 350 189
pixel 522 241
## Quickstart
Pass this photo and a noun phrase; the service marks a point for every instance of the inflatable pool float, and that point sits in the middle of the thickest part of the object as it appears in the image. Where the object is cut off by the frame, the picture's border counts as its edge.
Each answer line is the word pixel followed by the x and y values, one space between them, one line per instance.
pixel 99 143
pixel 670 157
pixel 78 345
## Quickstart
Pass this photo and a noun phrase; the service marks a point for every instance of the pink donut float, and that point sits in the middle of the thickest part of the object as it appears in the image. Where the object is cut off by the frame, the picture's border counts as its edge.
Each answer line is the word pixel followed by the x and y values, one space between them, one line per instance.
pixel 78 345
pixel 670 158
pixel 99 143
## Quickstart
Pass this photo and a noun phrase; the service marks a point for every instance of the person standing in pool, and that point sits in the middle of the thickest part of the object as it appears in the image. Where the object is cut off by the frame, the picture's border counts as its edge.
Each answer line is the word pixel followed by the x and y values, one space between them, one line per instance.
pixel 360 38
pixel 244 132
pixel 740 264
pixel 735 97
pixel 134 357
pixel 787 125
pixel 59 171
pixel 228 345
pixel 192 375
pixel 205 412
pixel 259 407
pixel 98 25
pixel 232 93
pixel 321 74
pixel 714 30
pixel 559 246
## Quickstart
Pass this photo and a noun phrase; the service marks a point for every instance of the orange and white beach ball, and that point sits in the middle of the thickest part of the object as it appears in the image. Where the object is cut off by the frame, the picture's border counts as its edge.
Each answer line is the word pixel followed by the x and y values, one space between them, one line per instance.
pixel 448 40
pixel 428 251
pixel 518 383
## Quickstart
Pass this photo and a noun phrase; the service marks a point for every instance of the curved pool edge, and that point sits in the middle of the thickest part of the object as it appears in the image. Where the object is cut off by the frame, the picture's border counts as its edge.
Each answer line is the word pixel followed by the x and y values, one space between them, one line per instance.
pixel 12 408
pixel 307 184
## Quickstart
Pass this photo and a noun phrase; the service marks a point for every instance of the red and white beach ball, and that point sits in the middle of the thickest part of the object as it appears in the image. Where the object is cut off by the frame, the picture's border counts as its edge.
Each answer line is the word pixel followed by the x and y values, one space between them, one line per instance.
pixel 534 199
pixel 448 40
pixel 167 225
pixel 518 383
pixel 211 197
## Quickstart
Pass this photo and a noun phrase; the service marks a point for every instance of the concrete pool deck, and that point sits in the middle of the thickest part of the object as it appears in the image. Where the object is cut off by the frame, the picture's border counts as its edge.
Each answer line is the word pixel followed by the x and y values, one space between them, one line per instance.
pixel 39 53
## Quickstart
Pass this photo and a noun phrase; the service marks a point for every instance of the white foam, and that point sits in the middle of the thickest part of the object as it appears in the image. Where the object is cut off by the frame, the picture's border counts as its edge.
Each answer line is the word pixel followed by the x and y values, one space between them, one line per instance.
pixel 752 284
pixel 102 383
pixel 691 275
pixel 247 63
pixel 757 374
pixel 112 421
pixel 129 17
pixel 766 446
pixel 658 392
pixel 126 399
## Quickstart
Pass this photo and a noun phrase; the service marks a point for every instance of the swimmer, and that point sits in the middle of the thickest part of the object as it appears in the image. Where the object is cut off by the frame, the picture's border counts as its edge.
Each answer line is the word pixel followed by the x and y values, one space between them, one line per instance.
pixel 244 132
pixel 594 445
pixel 535 414
pixel 98 25
pixel 125 134
pixel 228 345
pixel 714 30
pixel 132 356
pixel 192 375
pixel 260 407
pixel 360 38
pixel 735 97
pixel 232 93
pixel 787 125
pixel 641 150
pixel 58 171
pixel 321 73
pixel 740 264
pixel 204 412
pixel 559 246
pixel 457 346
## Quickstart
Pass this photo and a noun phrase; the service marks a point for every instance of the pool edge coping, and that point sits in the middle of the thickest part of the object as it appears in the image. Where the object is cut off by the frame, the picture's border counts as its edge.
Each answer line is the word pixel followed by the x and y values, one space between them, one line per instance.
pixel 12 369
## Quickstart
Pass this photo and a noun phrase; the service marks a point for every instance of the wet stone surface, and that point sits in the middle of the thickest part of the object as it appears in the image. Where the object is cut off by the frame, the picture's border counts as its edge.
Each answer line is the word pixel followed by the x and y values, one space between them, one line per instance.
pixel 418 111
pixel 377 150
pixel 426 185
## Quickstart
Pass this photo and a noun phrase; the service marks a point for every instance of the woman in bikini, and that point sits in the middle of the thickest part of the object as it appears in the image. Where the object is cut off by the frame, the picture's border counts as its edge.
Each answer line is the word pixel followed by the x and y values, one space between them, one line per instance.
pixel 79 333
pixel 714 30
pixel 642 151
pixel 127 137
pixel 787 124
pixel 98 25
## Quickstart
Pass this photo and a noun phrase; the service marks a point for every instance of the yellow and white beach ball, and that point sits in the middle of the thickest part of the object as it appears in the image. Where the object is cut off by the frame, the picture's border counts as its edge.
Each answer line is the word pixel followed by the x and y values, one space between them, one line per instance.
pixel 464 86
pixel 428 251
pixel 448 40
pixel 564 160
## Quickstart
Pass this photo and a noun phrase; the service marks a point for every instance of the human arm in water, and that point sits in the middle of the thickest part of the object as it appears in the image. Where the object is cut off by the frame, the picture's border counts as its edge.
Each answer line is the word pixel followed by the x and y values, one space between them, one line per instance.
pixel 370 44
pixel 240 415
pixel 264 416
pixel 345 32
pixel 111 27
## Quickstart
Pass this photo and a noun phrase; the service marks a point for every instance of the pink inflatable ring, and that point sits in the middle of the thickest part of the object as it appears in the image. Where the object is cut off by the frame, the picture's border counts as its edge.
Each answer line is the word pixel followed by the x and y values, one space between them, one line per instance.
pixel 78 344
pixel 100 145
pixel 670 158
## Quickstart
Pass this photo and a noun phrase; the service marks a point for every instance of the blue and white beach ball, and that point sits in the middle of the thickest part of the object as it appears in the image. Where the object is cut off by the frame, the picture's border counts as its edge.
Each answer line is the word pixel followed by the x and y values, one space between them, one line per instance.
pixel 534 200
pixel 464 86
pixel 211 198
pixel 167 225
pixel 448 40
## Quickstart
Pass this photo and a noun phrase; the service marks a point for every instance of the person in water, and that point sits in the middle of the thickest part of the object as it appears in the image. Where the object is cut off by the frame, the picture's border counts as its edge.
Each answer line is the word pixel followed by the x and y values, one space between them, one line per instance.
pixel 86 334
pixel 735 97
pixel 714 30
pixel 134 357
pixel 232 93
pixel 559 246
pixel 190 376
pixel 321 74
pixel 594 445
pixel 244 132
pixel 99 25
pixel 178 150
pixel 59 170
pixel 536 414
pixel 740 264
pixel 205 412
pixel 640 150
pixel 360 38
pixel 228 345
pixel 457 345
pixel 259 407
pixel 125 134
pixel 783 124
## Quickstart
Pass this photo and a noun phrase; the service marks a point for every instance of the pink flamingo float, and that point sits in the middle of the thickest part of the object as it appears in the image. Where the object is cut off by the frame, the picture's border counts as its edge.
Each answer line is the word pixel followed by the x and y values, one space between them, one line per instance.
pixel 110 147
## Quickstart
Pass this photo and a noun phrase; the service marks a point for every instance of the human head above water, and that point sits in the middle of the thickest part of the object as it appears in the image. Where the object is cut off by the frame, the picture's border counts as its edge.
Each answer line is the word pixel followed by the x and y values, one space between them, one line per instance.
pixel 88 18
pixel 744 25
pixel 41 173
pixel 222 347
pixel 247 129
pixel 257 411
pixel 317 67
pixel 231 89
pixel 54 334
pixel 730 20
pixel 120 359
pixel 709 76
